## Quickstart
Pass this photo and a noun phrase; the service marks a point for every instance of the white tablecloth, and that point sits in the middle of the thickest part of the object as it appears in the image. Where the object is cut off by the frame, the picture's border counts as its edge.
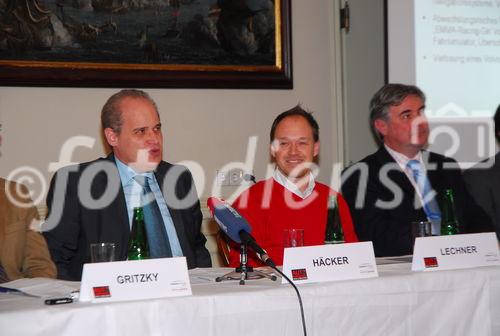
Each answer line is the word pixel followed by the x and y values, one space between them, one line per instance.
pixel 398 302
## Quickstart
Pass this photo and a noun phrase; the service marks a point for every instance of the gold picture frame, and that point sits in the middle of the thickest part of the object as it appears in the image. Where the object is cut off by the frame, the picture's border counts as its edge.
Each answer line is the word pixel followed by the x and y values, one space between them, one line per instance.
pixel 186 58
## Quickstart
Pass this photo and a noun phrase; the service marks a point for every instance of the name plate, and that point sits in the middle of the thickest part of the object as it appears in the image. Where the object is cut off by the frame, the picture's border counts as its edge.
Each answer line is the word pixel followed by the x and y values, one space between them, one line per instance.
pixel 455 252
pixel 329 262
pixel 135 280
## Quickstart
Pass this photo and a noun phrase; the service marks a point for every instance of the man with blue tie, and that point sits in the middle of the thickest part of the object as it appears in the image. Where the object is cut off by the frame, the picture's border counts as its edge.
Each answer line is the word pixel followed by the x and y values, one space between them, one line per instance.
pixel 402 182
pixel 93 202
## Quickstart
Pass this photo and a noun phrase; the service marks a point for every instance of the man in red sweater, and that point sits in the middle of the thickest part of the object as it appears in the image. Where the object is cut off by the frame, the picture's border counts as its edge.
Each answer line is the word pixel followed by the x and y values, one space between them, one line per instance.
pixel 291 199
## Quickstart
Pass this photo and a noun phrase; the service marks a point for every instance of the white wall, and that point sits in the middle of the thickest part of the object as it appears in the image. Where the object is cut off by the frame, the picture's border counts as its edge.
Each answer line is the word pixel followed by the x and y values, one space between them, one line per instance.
pixel 364 72
pixel 211 127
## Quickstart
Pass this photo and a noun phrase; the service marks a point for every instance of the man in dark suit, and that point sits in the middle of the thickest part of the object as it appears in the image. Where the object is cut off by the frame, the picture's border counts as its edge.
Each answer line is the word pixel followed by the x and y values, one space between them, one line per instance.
pixel 483 181
pixel 402 183
pixel 93 202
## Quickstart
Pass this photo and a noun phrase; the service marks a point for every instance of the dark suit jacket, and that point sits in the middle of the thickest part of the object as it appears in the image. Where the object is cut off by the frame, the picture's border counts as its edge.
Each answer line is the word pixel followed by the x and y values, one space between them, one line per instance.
pixel 107 220
pixel 484 186
pixel 389 228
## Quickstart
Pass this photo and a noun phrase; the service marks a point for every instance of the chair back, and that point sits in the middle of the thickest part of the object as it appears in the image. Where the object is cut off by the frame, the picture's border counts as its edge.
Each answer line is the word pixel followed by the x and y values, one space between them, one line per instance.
pixel 223 247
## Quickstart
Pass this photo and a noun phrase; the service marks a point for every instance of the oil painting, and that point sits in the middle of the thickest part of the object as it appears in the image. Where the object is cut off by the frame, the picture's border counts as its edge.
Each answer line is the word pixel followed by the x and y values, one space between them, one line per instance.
pixel 146 43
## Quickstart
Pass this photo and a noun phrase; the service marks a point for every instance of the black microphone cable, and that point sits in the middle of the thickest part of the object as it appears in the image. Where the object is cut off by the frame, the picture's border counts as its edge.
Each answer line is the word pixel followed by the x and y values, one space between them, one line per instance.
pixel 298 295
pixel 247 239
pixel 262 254
pixel 269 262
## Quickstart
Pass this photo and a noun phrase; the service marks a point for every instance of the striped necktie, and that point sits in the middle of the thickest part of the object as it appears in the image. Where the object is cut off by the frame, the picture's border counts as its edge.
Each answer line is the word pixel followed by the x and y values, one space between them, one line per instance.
pixel 431 207
pixel 159 244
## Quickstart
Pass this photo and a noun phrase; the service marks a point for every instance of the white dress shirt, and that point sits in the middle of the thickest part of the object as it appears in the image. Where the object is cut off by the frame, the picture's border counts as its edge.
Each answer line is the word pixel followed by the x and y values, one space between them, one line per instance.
pixel 279 177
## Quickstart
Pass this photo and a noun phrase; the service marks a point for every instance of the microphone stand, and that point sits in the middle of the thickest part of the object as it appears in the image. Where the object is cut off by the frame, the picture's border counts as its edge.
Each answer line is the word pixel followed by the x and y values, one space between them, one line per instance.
pixel 243 271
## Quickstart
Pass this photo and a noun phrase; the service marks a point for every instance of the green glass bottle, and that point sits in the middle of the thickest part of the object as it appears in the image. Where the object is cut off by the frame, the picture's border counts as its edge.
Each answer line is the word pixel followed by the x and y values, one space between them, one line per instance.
pixel 138 248
pixel 449 222
pixel 333 233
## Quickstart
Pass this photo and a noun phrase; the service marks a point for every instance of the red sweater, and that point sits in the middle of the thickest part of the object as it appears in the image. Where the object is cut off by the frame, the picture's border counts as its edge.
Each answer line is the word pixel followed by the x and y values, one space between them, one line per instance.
pixel 269 216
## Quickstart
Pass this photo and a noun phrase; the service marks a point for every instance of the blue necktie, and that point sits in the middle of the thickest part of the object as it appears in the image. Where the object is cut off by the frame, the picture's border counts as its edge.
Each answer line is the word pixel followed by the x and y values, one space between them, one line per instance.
pixel 159 245
pixel 431 207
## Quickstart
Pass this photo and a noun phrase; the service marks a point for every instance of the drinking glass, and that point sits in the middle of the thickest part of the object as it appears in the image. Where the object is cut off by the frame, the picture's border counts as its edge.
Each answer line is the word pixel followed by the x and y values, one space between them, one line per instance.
pixel 102 252
pixel 293 237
